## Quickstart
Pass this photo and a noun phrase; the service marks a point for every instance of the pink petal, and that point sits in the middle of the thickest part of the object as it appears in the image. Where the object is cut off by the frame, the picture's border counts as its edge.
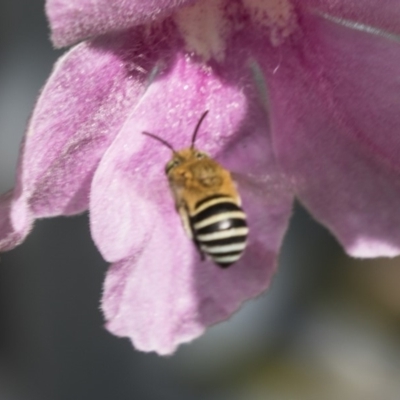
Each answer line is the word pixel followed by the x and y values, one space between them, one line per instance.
pixel 336 123
pixel 170 108
pixel 15 221
pixel 380 14
pixel 75 20
pixel 79 112
pixel 158 292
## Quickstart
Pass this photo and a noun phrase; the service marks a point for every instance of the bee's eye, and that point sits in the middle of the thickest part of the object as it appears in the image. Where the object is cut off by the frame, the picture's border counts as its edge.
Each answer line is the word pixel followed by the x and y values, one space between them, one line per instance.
pixel 172 164
pixel 200 155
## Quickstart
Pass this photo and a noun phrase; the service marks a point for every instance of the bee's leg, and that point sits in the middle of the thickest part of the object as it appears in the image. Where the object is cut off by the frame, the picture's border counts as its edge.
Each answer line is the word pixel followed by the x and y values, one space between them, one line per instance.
pixel 189 229
pixel 201 253
pixel 185 221
pixel 202 256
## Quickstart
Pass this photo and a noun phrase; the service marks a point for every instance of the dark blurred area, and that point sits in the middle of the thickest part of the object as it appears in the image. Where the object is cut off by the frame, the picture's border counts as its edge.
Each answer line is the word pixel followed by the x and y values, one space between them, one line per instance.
pixel 327 329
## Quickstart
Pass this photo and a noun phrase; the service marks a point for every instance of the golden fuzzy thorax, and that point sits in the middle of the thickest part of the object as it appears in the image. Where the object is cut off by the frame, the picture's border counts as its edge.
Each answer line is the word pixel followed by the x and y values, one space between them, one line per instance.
pixel 193 179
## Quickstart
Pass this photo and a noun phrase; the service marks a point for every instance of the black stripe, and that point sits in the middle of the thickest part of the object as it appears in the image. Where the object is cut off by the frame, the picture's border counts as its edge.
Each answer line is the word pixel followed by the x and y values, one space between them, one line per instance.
pixel 228 263
pixel 223 242
pixel 215 196
pixel 222 225
pixel 214 210
pixel 225 264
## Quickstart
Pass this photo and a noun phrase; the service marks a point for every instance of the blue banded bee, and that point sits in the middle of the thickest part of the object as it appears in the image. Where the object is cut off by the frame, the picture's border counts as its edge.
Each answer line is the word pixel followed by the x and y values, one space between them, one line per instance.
pixel 207 201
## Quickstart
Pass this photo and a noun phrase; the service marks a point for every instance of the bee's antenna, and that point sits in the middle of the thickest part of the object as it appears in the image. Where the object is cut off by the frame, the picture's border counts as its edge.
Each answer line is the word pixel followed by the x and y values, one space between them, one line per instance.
pixel 197 128
pixel 164 142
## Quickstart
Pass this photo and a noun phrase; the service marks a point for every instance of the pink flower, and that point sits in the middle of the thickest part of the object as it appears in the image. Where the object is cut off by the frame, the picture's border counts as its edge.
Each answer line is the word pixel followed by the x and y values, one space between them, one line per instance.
pixel 303 99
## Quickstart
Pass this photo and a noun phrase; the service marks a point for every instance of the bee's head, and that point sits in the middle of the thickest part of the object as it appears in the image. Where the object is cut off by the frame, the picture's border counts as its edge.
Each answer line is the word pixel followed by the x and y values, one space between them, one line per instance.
pixel 184 157
pixel 181 157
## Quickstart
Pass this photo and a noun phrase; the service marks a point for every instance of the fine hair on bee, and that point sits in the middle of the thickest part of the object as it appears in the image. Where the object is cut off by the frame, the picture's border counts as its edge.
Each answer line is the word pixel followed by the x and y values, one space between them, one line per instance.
pixel 208 202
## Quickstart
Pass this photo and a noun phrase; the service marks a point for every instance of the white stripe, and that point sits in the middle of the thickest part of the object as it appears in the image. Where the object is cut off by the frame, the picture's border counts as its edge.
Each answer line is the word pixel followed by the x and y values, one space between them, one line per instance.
pixel 224 249
pixel 207 237
pixel 212 202
pixel 227 259
pixel 220 217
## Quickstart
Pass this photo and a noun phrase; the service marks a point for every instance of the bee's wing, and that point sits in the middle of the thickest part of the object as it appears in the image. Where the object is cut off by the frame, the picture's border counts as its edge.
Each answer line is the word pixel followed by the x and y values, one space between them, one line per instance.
pixel 263 187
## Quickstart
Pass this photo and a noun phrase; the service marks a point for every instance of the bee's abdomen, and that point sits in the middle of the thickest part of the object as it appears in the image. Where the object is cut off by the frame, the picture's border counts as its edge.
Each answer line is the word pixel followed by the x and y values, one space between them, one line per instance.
pixel 220 229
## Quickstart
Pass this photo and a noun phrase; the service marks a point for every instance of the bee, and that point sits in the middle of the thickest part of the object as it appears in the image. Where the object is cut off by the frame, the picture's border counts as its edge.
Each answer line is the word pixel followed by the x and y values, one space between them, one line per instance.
pixel 207 201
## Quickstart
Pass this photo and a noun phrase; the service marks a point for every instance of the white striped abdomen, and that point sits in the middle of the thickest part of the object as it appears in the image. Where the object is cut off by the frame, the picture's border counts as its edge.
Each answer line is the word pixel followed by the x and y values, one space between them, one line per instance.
pixel 219 229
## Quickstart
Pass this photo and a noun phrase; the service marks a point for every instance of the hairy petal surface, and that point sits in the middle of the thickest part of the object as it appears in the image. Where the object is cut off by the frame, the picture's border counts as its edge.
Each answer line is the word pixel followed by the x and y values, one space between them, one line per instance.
pixel 158 292
pixel 15 221
pixel 379 14
pixel 75 20
pixel 79 112
pixel 335 105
